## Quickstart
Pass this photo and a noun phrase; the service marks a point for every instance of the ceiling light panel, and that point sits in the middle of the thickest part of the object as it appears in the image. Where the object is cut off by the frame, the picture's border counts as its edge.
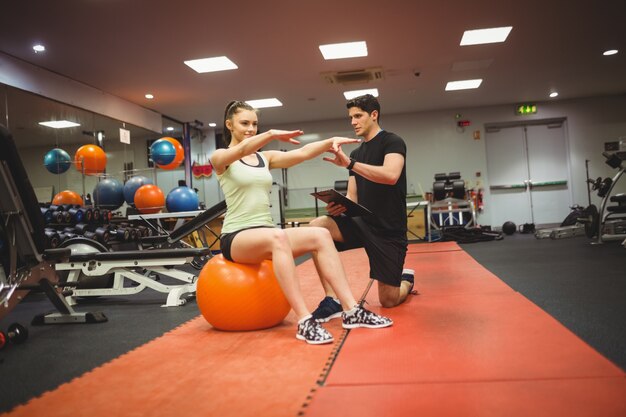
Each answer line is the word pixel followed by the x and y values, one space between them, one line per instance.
pixel 463 84
pixel 264 103
pixel 344 50
pixel 59 124
pixel 349 95
pixel 218 63
pixel 482 36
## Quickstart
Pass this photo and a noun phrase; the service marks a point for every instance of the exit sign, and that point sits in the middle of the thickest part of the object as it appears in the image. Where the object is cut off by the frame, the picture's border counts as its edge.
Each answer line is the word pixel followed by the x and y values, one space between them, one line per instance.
pixel 524 109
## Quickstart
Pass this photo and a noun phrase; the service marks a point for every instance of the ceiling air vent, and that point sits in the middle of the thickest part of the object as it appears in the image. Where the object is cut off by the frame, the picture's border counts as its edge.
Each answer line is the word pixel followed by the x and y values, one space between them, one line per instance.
pixel 353 76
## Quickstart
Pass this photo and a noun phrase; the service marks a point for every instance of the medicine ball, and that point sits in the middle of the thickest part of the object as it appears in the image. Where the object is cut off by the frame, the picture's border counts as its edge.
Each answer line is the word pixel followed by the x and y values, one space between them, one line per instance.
pixel 509 228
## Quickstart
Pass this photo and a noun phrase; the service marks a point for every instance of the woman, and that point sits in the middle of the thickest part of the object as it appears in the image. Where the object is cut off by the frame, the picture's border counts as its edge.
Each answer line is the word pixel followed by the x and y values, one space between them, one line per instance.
pixel 249 234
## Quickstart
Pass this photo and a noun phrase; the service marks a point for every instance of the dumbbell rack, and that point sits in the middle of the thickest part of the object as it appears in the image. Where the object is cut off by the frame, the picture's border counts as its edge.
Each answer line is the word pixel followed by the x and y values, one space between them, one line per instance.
pixel 67 222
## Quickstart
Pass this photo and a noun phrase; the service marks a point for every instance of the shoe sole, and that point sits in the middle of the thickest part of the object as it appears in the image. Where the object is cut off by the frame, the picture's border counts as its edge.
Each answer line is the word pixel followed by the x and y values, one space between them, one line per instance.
pixel 314 342
pixel 329 318
pixel 368 326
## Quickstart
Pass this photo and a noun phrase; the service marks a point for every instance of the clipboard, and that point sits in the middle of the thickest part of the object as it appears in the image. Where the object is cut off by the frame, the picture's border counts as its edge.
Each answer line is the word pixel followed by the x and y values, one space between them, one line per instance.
pixel 333 196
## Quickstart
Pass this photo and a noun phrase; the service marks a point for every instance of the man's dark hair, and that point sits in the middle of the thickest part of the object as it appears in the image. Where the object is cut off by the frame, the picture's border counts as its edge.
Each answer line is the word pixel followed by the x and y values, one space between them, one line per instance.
pixel 367 103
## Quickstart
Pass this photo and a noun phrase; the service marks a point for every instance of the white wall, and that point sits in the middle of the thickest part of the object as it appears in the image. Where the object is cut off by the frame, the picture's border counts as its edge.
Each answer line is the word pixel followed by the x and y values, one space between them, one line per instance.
pixel 435 144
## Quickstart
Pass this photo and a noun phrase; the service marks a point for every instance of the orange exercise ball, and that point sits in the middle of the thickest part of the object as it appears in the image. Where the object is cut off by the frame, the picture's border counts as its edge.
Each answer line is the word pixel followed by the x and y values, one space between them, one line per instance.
pixel 149 199
pixel 92 158
pixel 67 197
pixel 233 296
pixel 180 154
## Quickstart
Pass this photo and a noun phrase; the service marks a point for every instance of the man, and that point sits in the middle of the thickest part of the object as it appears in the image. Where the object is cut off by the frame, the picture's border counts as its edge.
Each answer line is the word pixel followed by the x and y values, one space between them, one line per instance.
pixel 377 180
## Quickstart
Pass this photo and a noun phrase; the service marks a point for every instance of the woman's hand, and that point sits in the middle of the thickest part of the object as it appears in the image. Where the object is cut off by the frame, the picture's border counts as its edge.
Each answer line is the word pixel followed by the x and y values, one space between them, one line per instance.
pixel 286 135
pixel 338 141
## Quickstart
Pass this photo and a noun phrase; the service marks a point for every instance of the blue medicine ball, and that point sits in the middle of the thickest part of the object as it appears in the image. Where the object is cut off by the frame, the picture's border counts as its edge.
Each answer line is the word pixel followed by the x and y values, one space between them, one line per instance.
pixel 131 187
pixel 109 194
pixel 162 152
pixel 57 161
pixel 182 199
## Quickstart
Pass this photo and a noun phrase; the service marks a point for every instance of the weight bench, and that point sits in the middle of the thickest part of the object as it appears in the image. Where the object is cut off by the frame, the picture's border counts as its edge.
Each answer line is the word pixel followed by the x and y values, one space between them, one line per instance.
pixel 138 266
pixel 159 254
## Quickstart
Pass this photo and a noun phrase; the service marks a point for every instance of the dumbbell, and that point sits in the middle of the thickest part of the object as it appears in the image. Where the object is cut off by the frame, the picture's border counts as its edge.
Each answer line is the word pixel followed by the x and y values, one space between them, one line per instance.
pixel 81 228
pixel 51 238
pixel 16 334
pixel 95 215
pixel 63 210
pixel 78 214
pixel 52 216
pixel 101 234
pixel 119 233
pixel 105 216
pixel 144 231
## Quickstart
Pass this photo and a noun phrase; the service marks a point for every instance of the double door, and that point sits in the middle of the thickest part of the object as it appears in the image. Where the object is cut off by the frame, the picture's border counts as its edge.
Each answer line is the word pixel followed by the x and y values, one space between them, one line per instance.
pixel 529 175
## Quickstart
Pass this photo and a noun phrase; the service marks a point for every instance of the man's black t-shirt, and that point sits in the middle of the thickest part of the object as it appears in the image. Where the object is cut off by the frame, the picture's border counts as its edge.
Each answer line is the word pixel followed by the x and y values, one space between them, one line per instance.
pixel 387 202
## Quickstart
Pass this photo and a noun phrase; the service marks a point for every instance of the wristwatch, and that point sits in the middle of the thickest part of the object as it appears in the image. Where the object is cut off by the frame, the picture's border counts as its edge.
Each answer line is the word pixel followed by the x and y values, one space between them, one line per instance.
pixel 351 164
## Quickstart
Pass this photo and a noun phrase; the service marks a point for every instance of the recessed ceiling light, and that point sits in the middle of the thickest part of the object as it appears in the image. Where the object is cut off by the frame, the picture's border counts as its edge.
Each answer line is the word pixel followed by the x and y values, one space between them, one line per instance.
pixel 149 96
pixel 349 95
pixel 39 48
pixel 265 102
pixel 212 124
pixel 463 84
pixel 554 94
pixel 169 128
pixel 610 52
pixel 481 36
pixel 218 63
pixel 59 124
pixel 344 50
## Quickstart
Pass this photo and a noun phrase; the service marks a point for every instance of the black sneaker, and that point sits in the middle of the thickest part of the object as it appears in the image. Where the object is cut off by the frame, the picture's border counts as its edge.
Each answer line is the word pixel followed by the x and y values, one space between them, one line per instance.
pixel 360 317
pixel 312 332
pixel 327 309
pixel 409 275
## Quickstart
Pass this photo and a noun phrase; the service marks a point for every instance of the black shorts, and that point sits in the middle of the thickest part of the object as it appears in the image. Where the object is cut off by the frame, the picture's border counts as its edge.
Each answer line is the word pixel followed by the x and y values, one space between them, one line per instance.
pixel 226 241
pixel 386 253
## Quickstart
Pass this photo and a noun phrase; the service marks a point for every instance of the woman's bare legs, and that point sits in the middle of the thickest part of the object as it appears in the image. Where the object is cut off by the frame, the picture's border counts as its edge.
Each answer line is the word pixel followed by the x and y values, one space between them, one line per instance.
pixel 256 245
pixel 282 246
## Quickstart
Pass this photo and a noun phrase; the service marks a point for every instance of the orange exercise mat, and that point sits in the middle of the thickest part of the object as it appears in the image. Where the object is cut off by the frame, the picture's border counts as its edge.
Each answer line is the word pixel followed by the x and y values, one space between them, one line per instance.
pixel 195 370
pixel 468 345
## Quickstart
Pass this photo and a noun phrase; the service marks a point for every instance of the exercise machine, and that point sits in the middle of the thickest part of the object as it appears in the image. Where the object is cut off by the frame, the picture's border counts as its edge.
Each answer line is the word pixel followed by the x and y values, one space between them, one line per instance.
pixel 609 223
pixel 450 206
pixel 27 265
